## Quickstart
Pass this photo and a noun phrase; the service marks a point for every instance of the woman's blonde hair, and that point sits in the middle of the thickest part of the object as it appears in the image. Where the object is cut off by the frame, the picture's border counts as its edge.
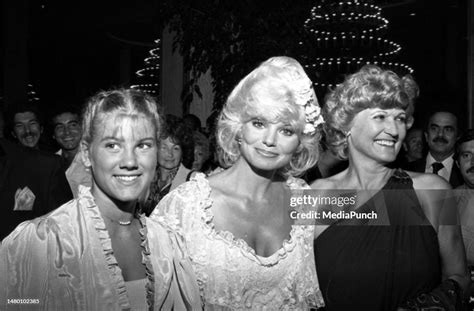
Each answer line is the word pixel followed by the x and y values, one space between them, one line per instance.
pixel 370 87
pixel 276 90
pixel 129 102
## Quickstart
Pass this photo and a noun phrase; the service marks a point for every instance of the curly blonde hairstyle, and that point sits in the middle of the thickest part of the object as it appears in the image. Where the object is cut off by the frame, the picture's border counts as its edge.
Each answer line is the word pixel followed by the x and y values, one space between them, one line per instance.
pixel 274 90
pixel 370 87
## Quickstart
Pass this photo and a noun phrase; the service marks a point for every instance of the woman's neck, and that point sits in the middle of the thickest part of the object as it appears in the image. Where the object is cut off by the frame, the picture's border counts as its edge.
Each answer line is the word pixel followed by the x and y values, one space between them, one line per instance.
pixel 363 174
pixel 113 209
pixel 251 182
pixel 165 173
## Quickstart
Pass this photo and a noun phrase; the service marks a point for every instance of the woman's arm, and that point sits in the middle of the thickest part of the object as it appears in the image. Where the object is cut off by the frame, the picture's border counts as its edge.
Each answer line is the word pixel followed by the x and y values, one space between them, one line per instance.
pixel 440 208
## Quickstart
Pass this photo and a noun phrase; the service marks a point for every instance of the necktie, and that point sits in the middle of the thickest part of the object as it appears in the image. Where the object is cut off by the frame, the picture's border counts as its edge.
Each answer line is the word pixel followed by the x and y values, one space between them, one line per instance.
pixel 436 167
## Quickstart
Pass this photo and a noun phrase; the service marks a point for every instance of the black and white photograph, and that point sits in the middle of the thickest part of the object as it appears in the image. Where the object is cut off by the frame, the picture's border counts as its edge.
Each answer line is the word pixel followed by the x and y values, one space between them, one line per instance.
pixel 237 155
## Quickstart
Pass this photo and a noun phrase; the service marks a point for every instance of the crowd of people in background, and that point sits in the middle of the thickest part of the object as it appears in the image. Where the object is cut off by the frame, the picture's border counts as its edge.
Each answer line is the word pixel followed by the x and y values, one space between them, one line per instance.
pixel 133 208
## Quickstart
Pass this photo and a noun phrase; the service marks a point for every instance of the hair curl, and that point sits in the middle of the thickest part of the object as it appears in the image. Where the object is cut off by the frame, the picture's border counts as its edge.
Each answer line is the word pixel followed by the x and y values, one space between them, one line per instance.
pixel 370 87
pixel 272 90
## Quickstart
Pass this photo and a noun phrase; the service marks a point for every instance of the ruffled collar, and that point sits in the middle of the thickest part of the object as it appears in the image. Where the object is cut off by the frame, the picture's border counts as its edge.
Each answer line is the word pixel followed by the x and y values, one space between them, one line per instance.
pixel 228 237
pixel 86 201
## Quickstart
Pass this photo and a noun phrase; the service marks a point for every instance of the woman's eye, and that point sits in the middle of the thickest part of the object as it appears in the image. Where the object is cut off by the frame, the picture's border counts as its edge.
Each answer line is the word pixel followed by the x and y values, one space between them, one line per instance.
pixel 112 146
pixel 379 117
pixel 402 119
pixel 288 131
pixel 258 123
pixel 144 146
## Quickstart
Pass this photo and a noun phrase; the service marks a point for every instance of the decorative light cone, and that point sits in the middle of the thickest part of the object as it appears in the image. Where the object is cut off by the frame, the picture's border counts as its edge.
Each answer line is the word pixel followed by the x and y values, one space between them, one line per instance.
pixel 342 36
pixel 149 77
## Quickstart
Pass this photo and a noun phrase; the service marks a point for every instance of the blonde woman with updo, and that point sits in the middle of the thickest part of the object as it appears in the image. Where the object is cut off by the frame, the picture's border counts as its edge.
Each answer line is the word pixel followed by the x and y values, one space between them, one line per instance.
pixel 248 254
pixel 97 252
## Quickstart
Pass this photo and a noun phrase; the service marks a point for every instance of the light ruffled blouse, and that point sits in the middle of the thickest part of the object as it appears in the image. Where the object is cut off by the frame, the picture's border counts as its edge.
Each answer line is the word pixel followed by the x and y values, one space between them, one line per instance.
pixel 65 261
pixel 231 276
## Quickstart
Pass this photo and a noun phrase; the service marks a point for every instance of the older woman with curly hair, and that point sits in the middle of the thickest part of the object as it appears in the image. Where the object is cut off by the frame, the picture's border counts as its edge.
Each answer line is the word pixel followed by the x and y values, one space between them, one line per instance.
pixel 175 160
pixel 410 256
pixel 245 249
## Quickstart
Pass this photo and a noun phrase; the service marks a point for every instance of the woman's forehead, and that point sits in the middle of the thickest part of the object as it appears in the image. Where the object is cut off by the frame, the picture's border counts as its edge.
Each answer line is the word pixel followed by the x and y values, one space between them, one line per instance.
pixel 121 125
pixel 168 141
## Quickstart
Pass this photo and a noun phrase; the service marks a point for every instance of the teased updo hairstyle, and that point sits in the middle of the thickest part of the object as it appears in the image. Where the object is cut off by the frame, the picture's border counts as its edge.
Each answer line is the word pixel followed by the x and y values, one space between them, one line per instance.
pixel 370 87
pixel 273 90
pixel 127 102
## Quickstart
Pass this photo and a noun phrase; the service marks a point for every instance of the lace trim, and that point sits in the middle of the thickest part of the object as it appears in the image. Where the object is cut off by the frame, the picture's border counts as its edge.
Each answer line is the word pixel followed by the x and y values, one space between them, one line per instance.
pixel 205 205
pixel 146 260
pixel 87 200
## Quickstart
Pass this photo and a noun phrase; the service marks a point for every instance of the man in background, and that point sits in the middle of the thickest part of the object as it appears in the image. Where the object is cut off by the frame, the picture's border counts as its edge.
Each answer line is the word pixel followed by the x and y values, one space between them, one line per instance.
pixel 32 183
pixel 25 125
pixel 465 193
pixel 413 145
pixel 441 135
pixel 67 133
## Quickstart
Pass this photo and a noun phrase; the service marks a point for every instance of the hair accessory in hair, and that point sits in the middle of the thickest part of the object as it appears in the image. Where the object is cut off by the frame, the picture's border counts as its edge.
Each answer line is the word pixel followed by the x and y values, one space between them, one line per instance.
pixel 307 98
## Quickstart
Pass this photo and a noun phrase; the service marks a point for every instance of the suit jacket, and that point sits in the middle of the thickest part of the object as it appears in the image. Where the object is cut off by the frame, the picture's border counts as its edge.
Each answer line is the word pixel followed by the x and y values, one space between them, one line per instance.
pixel 455 179
pixel 41 172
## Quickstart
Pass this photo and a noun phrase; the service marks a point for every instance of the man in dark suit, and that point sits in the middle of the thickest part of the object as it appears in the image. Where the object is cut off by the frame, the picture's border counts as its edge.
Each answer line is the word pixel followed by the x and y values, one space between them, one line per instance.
pixel 441 135
pixel 32 183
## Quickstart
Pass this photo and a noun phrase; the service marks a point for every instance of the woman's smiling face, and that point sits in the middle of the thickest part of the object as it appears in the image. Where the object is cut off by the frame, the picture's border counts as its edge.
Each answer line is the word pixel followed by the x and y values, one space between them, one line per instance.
pixel 123 156
pixel 378 134
pixel 268 145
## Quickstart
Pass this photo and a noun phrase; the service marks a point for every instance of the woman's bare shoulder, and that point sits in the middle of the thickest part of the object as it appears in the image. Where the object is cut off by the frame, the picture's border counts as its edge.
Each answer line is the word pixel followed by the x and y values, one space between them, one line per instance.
pixel 428 181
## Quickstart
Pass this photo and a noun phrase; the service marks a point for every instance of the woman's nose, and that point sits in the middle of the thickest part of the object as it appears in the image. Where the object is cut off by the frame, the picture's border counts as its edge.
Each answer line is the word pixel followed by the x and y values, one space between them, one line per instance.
pixel 269 138
pixel 129 160
pixel 391 127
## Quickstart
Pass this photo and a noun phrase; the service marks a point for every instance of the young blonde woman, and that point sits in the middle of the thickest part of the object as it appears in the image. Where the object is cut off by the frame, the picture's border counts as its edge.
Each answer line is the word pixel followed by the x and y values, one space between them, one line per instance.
pixel 96 252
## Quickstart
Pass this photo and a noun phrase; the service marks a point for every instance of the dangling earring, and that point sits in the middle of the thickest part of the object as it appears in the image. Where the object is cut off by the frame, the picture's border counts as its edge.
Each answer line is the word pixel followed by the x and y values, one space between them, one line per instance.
pixel 238 139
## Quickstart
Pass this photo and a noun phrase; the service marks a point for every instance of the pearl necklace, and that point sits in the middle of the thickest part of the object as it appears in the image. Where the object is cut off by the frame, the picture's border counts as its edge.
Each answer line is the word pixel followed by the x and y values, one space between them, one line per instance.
pixel 120 222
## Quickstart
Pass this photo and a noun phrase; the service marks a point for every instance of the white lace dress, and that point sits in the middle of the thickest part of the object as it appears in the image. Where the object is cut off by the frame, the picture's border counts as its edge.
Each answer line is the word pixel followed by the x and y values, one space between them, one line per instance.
pixel 230 275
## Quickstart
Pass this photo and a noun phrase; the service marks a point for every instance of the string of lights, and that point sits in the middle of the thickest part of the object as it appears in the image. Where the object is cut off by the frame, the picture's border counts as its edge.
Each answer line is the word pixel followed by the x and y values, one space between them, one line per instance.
pixel 343 36
pixel 149 77
pixel 31 94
